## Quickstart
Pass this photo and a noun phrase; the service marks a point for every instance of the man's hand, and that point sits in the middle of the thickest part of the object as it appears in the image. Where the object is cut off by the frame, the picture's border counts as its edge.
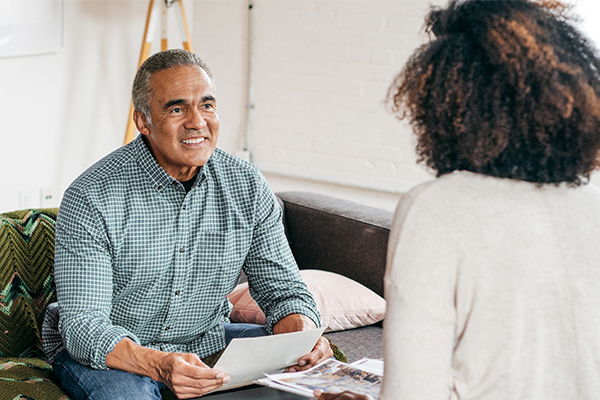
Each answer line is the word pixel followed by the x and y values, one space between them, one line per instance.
pixel 187 376
pixel 320 395
pixel 184 373
pixel 298 322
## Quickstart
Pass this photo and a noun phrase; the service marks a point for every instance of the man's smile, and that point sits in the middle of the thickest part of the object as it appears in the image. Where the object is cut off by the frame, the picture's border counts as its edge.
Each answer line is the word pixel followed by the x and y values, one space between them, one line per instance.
pixel 193 141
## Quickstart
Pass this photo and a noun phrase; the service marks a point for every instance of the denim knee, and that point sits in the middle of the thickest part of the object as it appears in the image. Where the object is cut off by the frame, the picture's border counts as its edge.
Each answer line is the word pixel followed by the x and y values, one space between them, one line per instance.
pixel 83 383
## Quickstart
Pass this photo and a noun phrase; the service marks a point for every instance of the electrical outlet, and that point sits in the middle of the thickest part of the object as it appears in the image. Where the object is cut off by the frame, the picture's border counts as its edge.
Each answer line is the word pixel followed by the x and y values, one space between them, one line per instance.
pixel 47 198
pixel 27 199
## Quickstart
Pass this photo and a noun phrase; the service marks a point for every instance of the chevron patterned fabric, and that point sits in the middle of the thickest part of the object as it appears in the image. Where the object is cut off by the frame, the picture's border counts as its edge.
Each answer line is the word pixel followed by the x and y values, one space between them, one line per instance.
pixel 26 280
pixel 26 288
pixel 28 378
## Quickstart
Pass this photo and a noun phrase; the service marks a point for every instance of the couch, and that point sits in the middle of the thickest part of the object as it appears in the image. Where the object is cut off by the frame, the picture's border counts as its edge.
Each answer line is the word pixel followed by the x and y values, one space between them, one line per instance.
pixel 325 233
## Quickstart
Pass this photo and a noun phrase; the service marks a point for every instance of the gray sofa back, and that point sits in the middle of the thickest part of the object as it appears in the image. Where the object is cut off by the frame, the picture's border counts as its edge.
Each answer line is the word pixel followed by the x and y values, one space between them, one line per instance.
pixel 336 235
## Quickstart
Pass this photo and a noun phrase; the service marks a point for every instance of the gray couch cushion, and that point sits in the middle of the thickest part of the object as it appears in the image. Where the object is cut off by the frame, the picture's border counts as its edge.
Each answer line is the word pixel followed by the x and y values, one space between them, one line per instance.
pixel 337 235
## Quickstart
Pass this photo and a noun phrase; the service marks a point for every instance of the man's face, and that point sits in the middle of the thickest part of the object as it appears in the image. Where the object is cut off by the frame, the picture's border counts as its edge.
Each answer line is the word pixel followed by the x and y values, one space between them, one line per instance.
pixel 185 122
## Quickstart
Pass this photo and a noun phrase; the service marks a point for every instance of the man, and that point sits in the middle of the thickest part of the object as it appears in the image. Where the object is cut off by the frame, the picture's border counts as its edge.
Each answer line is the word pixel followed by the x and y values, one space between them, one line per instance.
pixel 151 239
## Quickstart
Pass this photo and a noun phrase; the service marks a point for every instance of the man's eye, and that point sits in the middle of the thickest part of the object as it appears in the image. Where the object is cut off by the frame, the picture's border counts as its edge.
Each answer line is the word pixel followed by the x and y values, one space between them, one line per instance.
pixel 176 110
pixel 209 106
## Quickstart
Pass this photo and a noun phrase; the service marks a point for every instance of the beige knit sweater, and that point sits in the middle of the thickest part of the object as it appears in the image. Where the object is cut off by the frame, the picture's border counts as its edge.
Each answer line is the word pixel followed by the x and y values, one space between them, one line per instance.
pixel 493 290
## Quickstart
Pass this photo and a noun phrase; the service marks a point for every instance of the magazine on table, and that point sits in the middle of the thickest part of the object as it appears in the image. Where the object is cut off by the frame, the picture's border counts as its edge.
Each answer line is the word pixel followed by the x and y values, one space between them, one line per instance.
pixel 363 377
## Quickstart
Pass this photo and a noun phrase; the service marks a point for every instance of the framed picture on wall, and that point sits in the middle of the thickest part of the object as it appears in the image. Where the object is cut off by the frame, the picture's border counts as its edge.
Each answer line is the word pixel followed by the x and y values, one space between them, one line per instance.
pixel 30 27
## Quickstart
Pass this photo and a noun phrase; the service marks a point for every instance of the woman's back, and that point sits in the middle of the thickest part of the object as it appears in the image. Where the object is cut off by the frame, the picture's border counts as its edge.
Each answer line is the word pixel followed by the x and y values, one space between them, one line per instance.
pixel 493 288
pixel 493 275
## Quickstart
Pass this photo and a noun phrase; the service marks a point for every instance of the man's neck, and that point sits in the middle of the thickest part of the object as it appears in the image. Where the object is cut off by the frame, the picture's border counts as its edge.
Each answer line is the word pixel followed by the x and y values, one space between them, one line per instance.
pixel 190 182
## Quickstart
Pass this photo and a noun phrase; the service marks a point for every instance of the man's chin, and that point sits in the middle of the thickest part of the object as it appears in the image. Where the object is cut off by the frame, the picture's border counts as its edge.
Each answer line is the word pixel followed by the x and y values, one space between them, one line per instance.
pixel 203 159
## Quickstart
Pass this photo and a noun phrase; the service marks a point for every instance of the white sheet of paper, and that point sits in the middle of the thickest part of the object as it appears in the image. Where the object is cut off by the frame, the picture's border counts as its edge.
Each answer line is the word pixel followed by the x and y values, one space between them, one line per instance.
pixel 247 359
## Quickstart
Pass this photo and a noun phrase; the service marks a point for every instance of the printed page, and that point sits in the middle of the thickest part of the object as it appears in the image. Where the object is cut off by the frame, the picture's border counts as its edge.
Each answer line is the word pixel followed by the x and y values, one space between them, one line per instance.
pixel 248 359
pixel 329 376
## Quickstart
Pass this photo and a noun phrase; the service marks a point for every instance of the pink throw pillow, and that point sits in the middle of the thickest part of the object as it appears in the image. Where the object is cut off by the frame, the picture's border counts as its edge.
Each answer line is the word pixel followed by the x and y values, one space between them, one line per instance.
pixel 245 308
pixel 342 302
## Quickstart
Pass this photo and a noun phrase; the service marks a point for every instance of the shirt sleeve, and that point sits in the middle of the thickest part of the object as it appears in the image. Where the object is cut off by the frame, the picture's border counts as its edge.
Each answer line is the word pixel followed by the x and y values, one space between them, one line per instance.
pixel 420 281
pixel 84 282
pixel 273 277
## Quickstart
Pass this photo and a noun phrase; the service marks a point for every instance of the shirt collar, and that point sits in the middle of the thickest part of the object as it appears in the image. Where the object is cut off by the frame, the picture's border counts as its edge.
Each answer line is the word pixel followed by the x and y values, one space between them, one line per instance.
pixel 159 178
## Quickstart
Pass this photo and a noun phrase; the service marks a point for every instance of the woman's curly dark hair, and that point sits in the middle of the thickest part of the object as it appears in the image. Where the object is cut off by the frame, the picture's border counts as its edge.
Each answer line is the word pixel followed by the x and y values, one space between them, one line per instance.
pixel 503 88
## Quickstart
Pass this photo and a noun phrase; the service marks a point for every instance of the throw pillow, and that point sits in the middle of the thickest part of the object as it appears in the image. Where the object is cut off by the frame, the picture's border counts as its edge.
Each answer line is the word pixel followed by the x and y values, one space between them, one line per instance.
pixel 342 302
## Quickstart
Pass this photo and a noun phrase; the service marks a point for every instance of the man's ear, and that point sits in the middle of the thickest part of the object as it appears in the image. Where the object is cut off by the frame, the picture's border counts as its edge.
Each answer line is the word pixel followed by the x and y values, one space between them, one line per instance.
pixel 141 122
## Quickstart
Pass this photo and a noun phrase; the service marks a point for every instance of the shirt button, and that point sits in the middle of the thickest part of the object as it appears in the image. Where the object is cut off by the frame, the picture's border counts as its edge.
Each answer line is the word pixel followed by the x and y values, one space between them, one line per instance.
pixel 153 343
pixel 184 207
pixel 177 293
pixel 159 187
pixel 181 250
pixel 167 328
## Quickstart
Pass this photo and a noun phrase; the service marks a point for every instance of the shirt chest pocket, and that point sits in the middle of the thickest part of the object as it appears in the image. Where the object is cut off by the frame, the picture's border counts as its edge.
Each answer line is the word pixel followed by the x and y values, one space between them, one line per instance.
pixel 218 258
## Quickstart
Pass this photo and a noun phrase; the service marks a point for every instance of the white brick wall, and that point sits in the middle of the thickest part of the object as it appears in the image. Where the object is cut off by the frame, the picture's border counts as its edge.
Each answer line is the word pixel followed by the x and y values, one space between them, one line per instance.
pixel 320 73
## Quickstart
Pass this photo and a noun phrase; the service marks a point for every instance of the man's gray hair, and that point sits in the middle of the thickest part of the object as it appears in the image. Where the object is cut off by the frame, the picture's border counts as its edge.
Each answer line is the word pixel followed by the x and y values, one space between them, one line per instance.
pixel 141 92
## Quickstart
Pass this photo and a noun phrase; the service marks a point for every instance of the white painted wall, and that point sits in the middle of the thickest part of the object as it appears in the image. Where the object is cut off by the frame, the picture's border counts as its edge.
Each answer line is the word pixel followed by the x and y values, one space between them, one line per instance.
pixel 61 112
pixel 320 70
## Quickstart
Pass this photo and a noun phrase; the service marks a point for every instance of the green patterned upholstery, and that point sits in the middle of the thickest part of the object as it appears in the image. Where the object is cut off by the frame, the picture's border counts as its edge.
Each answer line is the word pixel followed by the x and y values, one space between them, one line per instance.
pixel 26 280
pixel 28 378
pixel 26 288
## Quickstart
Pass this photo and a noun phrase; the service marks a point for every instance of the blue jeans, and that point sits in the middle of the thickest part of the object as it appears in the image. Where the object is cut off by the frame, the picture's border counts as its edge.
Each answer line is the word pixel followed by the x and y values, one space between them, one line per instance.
pixel 233 331
pixel 83 383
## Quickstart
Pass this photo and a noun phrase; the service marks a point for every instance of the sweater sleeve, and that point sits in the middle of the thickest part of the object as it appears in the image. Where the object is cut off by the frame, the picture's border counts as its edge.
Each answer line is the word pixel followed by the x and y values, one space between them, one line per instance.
pixel 420 286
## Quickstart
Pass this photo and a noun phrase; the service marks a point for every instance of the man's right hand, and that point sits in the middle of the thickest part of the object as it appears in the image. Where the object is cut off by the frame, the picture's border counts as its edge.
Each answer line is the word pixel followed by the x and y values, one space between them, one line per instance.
pixel 187 376
pixel 184 373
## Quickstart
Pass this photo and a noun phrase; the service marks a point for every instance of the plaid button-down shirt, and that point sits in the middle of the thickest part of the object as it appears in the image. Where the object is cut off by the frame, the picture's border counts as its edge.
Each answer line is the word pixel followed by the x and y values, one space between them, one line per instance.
pixel 136 257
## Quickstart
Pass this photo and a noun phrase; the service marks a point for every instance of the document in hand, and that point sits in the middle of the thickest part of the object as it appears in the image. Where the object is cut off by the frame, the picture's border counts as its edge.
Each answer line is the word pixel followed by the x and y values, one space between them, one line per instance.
pixel 362 377
pixel 247 359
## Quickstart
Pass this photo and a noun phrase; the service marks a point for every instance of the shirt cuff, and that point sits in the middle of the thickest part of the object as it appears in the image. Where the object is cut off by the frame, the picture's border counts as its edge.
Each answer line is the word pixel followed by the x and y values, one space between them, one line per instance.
pixel 283 310
pixel 107 342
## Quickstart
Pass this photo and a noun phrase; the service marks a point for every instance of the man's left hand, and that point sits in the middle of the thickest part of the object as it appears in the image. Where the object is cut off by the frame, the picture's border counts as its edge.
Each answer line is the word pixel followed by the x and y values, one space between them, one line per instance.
pixel 298 322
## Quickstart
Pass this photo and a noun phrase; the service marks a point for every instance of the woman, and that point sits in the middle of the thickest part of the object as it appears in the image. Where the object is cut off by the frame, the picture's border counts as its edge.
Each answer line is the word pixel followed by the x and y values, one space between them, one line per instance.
pixel 493 275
